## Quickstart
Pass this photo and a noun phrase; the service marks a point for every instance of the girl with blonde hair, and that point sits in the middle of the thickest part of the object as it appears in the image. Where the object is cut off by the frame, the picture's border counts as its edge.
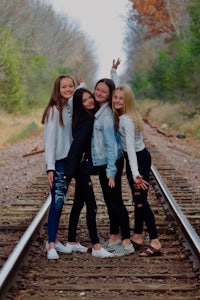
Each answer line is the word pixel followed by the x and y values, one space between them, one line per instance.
pixel 130 127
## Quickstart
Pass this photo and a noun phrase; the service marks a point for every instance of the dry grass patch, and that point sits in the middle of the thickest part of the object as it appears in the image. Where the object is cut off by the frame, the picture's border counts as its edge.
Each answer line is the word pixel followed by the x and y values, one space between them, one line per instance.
pixel 181 117
pixel 16 127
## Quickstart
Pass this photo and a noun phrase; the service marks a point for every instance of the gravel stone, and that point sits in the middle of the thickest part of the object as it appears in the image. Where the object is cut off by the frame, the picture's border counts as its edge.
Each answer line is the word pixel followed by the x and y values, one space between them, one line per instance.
pixel 19 171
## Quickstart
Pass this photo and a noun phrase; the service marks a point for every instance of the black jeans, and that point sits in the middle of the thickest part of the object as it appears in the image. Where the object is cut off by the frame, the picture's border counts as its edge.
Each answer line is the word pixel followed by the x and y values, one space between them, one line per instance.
pixel 143 211
pixel 83 194
pixel 118 214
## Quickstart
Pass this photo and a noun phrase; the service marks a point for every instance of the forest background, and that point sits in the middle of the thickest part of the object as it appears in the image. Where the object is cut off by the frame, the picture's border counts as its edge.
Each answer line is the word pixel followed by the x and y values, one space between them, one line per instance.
pixel 162 46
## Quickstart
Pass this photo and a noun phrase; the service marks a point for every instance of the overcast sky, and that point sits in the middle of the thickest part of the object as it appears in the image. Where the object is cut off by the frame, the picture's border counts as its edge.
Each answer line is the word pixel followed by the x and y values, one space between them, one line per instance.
pixel 102 21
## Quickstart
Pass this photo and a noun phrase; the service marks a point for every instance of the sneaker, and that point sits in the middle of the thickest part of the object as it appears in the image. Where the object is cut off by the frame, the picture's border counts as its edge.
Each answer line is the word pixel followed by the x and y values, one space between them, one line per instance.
pixel 76 247
pixel 52 254
pixel 111 246
pixel 101 253
pixel 122 250
pixel 60 247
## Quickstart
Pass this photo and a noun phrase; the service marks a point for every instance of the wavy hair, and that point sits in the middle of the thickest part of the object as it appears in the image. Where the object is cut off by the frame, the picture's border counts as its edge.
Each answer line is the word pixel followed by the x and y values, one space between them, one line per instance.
pixel 129 107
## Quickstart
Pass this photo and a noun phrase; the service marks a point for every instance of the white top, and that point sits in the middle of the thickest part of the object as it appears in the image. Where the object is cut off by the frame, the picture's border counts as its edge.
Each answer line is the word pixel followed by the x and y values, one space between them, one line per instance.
pixel 131 141
pixel 114 76
pixel 57 139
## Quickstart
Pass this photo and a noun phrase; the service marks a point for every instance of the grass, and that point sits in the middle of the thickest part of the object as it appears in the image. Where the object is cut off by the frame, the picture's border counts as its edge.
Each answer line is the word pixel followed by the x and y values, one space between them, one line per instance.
pixel 14 128
pixel 181 117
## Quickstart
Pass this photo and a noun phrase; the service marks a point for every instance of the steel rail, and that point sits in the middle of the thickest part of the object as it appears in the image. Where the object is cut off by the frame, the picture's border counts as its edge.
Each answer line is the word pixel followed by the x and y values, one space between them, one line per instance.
pixel 15 258
pixel 13 261
pixel 189 233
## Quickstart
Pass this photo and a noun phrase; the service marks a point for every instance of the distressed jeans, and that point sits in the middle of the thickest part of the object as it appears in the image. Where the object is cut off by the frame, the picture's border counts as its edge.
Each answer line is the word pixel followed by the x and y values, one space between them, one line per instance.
pixel 143 211
pixel 58 197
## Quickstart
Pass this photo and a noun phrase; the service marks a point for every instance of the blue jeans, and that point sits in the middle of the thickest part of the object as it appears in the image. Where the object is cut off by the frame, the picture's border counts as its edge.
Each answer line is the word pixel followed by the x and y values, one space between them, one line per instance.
pixel 58 196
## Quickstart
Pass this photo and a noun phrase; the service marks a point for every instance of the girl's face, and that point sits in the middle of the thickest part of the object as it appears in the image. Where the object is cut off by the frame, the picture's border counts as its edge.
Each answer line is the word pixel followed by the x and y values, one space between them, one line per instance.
pixel 66 88
pixel 88 101
pixel 101 93
pixel 118 101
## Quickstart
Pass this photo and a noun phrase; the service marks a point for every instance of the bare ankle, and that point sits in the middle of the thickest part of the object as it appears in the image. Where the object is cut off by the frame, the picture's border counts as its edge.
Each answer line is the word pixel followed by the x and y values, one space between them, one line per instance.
pixel 138 238
pixel 126 243
pixel 72 243
pixel 51 245
pixel 97 246
pixel 114 238
pixel 155 243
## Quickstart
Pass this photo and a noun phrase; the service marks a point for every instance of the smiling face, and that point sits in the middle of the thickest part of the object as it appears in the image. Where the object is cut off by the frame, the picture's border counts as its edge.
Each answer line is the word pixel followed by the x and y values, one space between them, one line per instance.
pixel 66 88
pixel 88 101
pixel 118 101
pixel 101 93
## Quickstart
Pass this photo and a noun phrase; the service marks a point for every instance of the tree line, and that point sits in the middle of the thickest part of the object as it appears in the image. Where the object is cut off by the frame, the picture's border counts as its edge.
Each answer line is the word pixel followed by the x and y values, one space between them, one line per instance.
pixel 164 49
pixel 37 44
pixel 162 45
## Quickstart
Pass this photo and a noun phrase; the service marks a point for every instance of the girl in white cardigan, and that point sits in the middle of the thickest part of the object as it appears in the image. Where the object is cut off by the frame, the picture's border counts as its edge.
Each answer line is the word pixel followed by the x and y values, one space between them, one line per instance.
pixel 57 120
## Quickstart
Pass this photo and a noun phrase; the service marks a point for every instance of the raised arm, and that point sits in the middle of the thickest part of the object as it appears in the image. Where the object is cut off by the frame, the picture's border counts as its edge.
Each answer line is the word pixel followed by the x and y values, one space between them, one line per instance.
pixel 116 63
pixel 113 73
pixel 80 82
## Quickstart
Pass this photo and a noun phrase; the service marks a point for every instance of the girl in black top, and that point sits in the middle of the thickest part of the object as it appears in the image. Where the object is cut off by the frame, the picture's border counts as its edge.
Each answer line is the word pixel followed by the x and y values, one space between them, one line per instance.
pixel 79 165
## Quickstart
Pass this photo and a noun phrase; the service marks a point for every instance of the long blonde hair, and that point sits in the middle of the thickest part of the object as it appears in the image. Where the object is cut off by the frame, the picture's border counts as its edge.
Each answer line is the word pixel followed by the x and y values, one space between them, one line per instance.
pixel 129 107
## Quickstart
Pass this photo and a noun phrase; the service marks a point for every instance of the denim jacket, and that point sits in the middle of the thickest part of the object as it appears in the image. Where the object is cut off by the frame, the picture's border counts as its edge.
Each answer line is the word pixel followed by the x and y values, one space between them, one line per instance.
pixel 106 148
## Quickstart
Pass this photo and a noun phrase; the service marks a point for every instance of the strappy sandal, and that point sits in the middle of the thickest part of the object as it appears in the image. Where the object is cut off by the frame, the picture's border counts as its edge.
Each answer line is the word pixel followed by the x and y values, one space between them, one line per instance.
pixel 137 246
pixel 150 251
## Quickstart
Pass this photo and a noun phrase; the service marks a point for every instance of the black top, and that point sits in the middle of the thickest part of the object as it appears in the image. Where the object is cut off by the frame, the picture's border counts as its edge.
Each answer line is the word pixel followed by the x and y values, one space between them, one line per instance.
pixel 79 158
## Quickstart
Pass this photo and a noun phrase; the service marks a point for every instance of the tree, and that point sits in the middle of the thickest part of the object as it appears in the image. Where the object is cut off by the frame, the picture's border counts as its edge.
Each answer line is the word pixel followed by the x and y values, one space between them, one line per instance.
pixel 11 85
pixel 159 17
pixel 38 45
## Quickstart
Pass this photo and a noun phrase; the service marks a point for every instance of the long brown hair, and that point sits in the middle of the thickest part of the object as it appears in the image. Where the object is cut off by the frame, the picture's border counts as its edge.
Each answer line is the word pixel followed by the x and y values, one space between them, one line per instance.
pixel 56 100
pixel 111 85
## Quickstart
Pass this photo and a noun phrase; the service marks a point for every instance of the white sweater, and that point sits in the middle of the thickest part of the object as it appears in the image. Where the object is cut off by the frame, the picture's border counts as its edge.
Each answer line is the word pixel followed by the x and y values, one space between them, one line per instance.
pixel 131 141
pixel 57 139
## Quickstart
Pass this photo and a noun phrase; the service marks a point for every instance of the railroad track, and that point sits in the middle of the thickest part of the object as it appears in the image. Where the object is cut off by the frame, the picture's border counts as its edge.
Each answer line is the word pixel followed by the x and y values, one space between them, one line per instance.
pixel 174 275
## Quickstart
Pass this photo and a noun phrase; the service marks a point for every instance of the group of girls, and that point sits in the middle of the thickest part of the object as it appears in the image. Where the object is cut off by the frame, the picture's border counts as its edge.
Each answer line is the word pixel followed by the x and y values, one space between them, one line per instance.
pixel 93 134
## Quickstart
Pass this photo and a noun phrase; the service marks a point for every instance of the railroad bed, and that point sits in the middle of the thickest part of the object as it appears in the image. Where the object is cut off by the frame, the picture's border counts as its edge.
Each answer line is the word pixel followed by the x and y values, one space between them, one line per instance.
pixel 187 199
pixel 81 276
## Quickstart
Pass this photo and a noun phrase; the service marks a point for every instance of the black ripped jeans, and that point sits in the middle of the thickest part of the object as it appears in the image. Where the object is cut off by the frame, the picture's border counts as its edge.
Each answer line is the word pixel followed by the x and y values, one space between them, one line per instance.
pixel 83 194
pixel 143 211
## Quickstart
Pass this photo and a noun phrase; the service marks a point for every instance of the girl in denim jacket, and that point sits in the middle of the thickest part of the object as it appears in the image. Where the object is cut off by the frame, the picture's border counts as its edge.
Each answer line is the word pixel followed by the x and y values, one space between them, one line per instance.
pixel 107 155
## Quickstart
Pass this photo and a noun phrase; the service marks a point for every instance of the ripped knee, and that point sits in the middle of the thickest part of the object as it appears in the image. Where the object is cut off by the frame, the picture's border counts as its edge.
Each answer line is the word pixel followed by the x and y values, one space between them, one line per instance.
pixel 90 183
pixel 137 194
pixel 139 205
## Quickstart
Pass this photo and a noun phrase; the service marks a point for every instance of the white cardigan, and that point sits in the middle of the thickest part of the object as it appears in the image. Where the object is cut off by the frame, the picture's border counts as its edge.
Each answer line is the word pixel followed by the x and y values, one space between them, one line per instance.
pixel 131 141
